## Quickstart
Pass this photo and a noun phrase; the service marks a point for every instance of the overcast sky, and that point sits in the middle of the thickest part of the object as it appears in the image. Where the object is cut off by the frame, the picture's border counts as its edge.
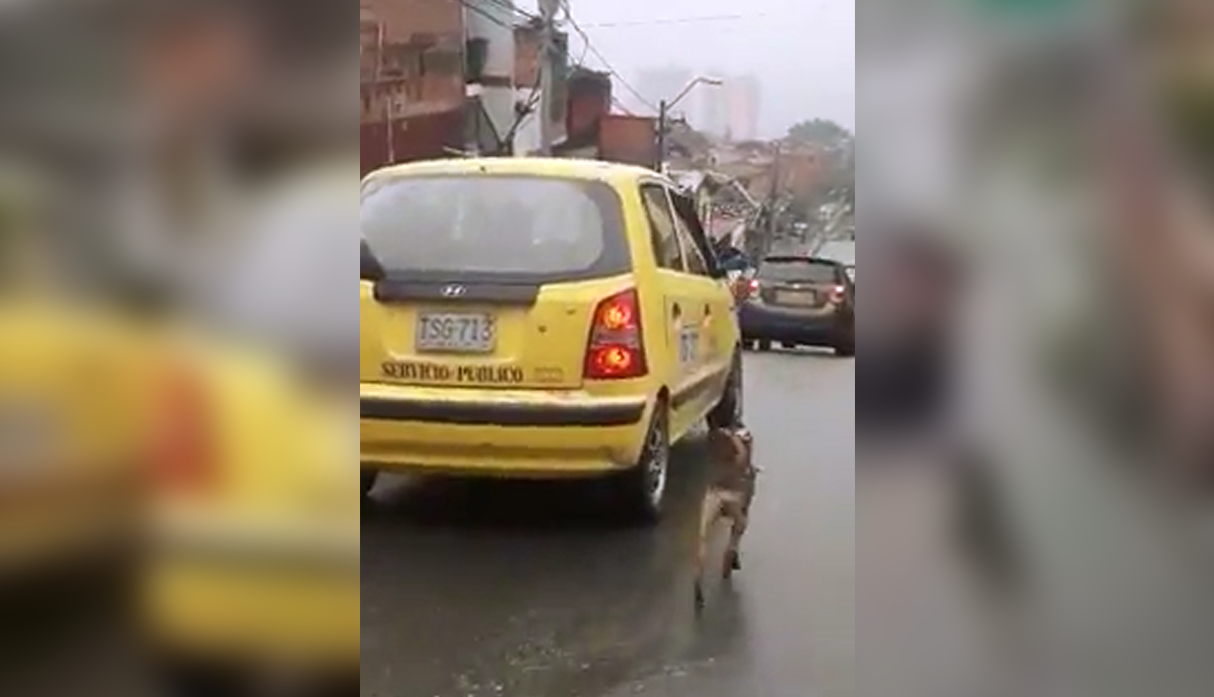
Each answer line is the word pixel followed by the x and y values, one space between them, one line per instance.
pixel 803 51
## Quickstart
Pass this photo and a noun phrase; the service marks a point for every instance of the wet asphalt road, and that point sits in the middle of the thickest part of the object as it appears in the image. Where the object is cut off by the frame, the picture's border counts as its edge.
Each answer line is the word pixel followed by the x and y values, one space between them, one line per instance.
pixel 531 590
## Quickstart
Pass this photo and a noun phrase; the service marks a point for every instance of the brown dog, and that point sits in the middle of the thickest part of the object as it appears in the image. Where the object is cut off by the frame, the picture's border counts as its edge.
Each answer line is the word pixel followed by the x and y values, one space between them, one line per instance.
pixel 729 497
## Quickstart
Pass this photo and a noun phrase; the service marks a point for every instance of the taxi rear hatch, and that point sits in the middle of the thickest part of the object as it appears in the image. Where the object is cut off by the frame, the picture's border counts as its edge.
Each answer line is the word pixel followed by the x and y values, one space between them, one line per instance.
pixel 485 280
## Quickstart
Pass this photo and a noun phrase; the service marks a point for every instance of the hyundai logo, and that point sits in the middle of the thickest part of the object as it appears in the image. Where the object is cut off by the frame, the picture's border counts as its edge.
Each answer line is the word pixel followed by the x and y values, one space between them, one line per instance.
pixel 454 291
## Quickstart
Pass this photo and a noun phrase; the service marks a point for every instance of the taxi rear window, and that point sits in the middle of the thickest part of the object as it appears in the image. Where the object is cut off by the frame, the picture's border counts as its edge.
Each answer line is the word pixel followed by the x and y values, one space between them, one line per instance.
pixel 798 271
pixel 494 226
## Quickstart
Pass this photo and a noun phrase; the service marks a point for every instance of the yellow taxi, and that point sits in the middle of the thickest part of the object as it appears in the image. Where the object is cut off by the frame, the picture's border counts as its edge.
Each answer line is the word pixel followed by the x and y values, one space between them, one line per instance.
pixel 71 410
pixel 252 572
pixel 70 437
pixel 254 528
pixel 541 319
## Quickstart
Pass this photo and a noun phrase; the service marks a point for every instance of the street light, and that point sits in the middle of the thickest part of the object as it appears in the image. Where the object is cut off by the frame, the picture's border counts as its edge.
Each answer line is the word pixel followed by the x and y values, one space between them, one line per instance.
pixel 666 105
pixel 710 81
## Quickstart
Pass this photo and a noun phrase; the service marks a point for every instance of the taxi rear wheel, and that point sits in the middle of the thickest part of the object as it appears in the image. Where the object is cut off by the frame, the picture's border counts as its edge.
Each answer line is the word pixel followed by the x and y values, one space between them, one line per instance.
pixel 728 411
pixel 642 489
pixel 177 677
pixel 367 482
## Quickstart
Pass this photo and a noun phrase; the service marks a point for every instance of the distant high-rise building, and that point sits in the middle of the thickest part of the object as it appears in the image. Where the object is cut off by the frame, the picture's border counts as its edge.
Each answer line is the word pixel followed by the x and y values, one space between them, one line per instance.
pixel 661 84
pixel 730 110
pixel 743 96
pixel 711 108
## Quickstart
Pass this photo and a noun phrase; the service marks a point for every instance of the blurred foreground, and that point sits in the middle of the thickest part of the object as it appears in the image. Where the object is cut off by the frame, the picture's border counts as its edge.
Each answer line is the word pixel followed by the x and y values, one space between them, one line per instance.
pixel 173 424
pixel 1040 381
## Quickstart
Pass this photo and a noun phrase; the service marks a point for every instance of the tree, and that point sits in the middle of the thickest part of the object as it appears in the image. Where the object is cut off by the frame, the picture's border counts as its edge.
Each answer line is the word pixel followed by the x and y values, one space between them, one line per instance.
pixel 822 133
pixel 849 174
pixel 837 145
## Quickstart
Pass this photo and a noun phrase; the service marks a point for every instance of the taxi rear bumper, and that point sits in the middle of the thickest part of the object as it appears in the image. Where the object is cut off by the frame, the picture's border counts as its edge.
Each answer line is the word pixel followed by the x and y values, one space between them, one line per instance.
pixel 244 591
pixel 502 433
pixel 587 413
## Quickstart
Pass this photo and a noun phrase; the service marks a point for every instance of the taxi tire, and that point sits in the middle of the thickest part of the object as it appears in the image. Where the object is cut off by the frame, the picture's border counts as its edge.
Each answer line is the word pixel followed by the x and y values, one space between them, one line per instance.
pixel 633 488
pixel 728 412
pixel 367 479
pixel 184 678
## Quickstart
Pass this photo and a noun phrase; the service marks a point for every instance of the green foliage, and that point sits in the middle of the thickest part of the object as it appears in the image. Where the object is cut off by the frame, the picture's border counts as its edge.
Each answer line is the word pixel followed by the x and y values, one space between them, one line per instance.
pixel 838 145
pixel 1030 8
pixel 823 133
pixel 1190 111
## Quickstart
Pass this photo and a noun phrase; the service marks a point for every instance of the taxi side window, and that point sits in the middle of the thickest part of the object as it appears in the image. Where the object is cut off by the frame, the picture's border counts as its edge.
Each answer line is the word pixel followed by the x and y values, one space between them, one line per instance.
pixel 663 231
pixel 696 264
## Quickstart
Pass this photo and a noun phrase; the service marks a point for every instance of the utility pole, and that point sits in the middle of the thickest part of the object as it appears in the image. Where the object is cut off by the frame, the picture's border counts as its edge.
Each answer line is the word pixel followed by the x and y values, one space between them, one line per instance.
pixel 549 55
pixel 387 92
pixel 663 113
pixel 773 200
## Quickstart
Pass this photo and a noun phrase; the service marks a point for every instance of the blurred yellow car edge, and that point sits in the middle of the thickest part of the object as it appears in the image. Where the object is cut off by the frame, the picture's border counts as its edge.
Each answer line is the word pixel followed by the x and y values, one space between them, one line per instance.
pixel 253 523
pixel 72 389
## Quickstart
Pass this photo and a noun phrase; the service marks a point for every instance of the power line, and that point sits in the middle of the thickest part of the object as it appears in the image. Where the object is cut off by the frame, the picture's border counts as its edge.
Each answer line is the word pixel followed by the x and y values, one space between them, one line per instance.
pixel 468 5
pixel 615 101
pixel 581 62
pixel 509 6
pixel 603 59
pixel 524 111
pixel 675 20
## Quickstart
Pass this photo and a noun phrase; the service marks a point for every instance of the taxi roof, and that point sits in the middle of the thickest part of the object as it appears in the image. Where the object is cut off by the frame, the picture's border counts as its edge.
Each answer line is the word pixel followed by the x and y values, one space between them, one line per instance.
pixel 559 168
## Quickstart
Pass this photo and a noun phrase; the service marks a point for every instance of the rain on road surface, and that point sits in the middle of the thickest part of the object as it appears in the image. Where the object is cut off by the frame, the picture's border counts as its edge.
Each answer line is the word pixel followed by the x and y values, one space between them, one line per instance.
pixel 505 589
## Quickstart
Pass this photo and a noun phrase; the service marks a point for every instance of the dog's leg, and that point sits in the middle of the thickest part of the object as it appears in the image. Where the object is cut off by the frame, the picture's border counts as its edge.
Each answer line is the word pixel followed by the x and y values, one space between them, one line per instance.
pixel 709 515
pixel 701 555
pixel 733 554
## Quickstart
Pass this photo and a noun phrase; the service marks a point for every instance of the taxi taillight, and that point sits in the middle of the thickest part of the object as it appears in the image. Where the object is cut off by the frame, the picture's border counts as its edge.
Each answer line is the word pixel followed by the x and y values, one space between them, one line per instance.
pixel 616 350
pixel 183 454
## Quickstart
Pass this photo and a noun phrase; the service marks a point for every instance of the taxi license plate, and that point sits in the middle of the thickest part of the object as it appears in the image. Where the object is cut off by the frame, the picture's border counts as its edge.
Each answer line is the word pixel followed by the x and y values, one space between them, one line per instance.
pixel 441 332
pixel 797 298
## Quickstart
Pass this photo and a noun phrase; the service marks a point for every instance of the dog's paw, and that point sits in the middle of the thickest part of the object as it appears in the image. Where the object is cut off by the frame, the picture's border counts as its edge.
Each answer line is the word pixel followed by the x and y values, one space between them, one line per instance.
pixel 732 563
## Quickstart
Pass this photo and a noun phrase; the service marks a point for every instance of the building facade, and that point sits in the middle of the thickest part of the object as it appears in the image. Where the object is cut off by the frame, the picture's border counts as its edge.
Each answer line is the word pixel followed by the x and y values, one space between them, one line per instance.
pixel 528 45
pixel 743 100
pixel 710 107
pixel 412 79
pixel 412 57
